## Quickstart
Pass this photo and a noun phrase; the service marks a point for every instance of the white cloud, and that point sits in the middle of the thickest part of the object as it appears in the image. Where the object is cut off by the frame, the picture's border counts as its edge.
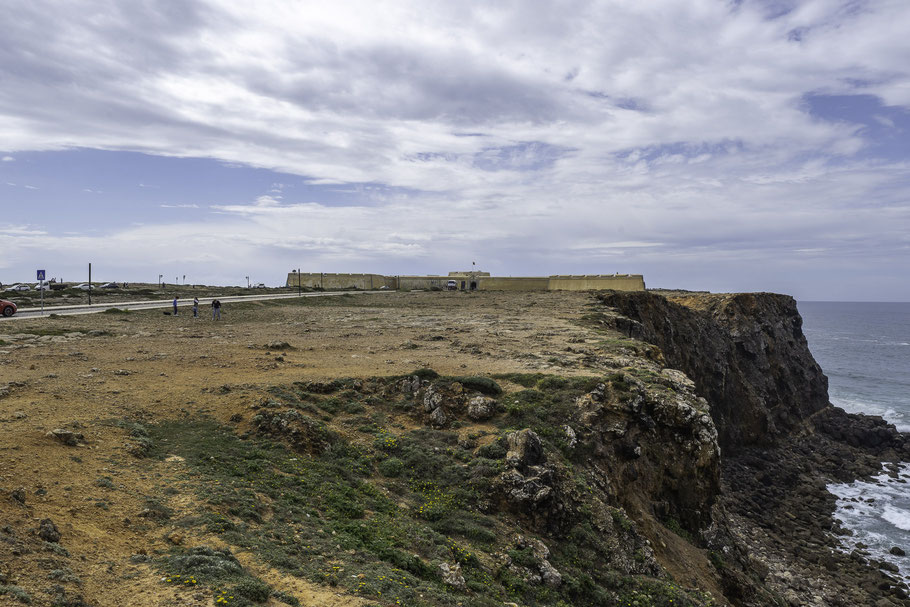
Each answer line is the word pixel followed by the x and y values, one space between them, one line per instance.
pixel 267 200
pixel 8 159
pixel 580 133
pixel 179 206
pixel 356 93
pixel 19 230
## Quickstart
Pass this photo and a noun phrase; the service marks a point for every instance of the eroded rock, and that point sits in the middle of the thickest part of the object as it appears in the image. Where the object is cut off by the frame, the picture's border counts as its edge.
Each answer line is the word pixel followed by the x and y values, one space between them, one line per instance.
pixel 67 437
pixel 451 576
pixel 48 531
pixel 525 449
pixel 303 433
pixel 481 408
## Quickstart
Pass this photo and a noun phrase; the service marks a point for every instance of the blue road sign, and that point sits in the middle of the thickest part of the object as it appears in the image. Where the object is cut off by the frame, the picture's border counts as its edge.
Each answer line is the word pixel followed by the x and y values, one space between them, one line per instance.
pixel 41 274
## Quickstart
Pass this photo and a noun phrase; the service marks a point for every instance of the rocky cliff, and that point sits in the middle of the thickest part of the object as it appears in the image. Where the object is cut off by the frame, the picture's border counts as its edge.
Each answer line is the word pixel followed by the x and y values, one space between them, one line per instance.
pixel 781 443
pixel 746 354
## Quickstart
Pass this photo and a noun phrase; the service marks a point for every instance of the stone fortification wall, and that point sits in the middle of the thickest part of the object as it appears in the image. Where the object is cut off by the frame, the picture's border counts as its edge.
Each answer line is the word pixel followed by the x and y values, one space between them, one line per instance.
pixel 318 280
pixel 485 282
pixel 422 282
pixel 512 283
pixel 616 282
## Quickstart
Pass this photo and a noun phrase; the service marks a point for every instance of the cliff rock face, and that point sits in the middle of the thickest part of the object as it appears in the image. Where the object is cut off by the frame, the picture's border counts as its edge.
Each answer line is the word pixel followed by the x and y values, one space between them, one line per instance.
pixel 746 354
pixel 782 443
pixel 657 445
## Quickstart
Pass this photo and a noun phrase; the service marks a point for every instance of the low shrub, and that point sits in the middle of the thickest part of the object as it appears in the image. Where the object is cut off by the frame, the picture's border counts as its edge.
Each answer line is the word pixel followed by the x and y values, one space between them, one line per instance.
pixel 484 385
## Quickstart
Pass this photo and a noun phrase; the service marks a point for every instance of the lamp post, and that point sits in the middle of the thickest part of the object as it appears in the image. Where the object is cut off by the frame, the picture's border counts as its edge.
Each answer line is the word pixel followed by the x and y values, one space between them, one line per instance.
pixel 247 282
pixel 160 284
pixel 299 293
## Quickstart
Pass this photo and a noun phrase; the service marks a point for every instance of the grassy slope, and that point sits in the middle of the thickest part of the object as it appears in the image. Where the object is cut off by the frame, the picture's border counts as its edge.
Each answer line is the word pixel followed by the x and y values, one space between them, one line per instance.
pixel 373 503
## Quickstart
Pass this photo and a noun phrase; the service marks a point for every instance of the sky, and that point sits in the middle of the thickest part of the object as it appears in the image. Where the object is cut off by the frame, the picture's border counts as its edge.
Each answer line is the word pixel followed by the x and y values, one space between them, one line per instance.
pixel 752 145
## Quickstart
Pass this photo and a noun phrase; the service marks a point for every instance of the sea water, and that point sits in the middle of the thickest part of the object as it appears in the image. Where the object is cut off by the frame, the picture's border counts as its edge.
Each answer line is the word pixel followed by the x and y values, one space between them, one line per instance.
pixel 864 349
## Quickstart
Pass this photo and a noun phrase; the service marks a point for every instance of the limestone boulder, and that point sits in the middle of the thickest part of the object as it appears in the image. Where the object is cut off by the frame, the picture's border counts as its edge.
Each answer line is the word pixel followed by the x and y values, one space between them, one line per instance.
pixel 481 408
pixel 525 449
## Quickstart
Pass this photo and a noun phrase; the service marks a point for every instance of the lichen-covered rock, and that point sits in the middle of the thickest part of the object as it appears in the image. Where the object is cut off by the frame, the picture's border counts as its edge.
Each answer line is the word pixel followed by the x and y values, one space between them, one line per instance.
pixel 304 434
pixel 677 379
pixel 525 449
pixel 48 531
pixel 67 437
pixel 432 398
pixel 530 491
pixel 451 576
pixel 18 495
pixel 438 417
pixel 410 385
pixel 549 573
pixel 481 408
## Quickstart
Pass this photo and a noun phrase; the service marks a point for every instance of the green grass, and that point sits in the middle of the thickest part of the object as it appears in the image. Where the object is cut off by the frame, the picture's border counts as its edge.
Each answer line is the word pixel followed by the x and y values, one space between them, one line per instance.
pixel 380 507
pixel 116 311
pixel 318 517
pixel 219 571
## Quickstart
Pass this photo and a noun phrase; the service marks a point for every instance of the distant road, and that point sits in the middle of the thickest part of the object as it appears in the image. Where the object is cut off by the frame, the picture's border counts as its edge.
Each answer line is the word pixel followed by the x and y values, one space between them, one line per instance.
pixel 167 303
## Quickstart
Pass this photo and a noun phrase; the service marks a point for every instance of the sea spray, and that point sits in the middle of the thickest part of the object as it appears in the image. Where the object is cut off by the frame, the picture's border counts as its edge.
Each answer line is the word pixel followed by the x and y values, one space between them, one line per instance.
pixel 877 512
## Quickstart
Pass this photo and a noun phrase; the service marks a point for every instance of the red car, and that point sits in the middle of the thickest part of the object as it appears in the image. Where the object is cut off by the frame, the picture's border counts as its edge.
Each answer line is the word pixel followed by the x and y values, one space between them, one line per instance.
pixel 7 308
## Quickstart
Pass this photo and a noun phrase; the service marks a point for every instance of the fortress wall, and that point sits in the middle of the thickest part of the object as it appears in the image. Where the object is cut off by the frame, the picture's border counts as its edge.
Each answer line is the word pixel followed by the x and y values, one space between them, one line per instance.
pixel 618 282
pixel 512 283
pixel 485 282
pixel 422 282
pixel 315 280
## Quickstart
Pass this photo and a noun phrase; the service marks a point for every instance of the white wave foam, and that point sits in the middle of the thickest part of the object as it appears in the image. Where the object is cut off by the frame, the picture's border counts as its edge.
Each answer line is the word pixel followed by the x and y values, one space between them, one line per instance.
pixel 878 513
pixel 898 517
pixel 889 414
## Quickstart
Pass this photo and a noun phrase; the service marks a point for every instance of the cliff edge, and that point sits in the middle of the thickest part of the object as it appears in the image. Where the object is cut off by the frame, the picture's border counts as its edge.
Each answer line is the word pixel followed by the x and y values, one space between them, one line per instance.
pixel 781 441
pixel 745 352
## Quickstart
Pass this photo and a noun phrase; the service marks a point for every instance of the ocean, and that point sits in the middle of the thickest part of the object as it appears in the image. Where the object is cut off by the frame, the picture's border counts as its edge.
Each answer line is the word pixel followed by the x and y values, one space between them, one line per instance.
pixel 864 349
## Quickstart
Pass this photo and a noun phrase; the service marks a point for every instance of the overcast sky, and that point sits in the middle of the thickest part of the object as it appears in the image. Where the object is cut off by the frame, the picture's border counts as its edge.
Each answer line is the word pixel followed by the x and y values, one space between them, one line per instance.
pixel 759 145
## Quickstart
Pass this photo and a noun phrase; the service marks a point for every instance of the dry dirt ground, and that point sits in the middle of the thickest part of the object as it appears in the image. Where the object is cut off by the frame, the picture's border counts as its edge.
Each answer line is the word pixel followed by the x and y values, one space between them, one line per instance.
pixel 80 373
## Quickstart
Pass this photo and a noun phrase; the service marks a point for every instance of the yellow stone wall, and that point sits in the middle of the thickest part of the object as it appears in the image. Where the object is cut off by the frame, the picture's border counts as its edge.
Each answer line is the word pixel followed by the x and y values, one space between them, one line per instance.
pixel 485 282
pixel 331 281
pixel 617 282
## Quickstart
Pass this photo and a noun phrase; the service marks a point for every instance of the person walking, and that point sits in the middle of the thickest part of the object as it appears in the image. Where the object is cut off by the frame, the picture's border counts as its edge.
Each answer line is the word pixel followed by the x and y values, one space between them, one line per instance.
pixel 175 305
pixel 195 307
pixel 216 309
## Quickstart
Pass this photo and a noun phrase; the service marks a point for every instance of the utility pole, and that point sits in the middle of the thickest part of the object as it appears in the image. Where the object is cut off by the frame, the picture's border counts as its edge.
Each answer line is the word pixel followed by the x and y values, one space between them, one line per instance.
pixel 299 293
pixel 89 283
